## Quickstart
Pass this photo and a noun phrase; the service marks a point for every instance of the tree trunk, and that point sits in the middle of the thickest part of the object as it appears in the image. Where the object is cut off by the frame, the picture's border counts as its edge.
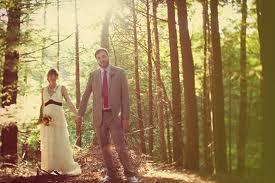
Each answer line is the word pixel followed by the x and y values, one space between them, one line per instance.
pixel 150 73
pixel 114 50
pixel 10 74
pixel 190 103
pixel 1 74
pixel 9 143
pixel 44 26
pixel 230 121
pixel 211 79
pixel 105 31
pixel 77 77
pixel 176 92
pixel 218 94
pixel 25 64
pixel 243 93
pixel 138 99
pixel 58 36
pixel 259 27
pixel 207 130
pixel 167 116
pixel 161 136
pixel 267 9
pixel 43 51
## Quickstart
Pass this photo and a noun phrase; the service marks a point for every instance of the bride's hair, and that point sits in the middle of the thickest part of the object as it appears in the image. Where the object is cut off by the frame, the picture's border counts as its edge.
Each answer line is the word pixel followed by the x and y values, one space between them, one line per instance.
pixel 52 72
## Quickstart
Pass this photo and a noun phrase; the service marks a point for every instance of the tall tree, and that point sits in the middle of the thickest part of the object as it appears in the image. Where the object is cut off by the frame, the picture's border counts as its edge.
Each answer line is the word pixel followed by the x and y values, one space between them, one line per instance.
pixel 105 31
pixel 25 65
pixel 207 130
pixel 44 26
pixel 259 26
pixel 176 93
pixel 8 140
pixel 58 34
pixel 161 136
pixel 150 73
pixel 190 103
pixel 230 119
pixel 168 132
pixel 10 74
pixel 10 78
pixel 138 99
pixel 43 51
pixel 267 9
pixel 114 51
pixel 258 10
pixel 77 76
pixel 218 94
pixel 243 92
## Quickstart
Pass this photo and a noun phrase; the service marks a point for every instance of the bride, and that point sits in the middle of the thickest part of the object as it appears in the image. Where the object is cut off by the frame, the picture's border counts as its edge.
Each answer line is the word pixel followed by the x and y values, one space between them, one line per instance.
pixel 56 151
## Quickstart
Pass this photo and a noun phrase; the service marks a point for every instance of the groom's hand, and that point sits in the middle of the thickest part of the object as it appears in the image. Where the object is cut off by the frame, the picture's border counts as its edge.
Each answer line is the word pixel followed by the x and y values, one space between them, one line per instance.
pixel 125 125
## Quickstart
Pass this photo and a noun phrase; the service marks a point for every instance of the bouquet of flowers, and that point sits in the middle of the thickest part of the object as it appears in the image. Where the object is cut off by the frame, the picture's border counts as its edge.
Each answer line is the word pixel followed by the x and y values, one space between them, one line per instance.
pixel 46 120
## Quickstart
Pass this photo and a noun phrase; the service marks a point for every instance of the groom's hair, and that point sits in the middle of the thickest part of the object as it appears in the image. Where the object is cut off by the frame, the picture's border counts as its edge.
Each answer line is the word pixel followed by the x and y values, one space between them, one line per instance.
pixel 101 49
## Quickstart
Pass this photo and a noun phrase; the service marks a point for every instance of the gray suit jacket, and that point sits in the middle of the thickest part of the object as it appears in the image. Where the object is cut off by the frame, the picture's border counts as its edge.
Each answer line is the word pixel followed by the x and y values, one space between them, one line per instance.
pixel 117 94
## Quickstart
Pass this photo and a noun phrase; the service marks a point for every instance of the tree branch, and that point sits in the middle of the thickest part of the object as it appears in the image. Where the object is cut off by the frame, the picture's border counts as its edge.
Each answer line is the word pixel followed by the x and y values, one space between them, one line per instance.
pixel 28 53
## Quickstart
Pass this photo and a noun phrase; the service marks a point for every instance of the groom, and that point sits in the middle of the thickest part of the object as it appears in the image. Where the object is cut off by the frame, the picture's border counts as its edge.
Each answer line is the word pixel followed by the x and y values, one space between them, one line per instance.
pixel 110 112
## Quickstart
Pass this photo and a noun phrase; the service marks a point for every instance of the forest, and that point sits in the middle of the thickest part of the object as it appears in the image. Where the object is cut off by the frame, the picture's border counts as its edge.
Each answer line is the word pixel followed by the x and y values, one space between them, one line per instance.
pixel 200 75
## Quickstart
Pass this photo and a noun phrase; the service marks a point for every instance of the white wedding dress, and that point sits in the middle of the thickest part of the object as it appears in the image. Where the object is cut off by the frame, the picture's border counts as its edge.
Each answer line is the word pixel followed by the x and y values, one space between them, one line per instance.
pixel 56 151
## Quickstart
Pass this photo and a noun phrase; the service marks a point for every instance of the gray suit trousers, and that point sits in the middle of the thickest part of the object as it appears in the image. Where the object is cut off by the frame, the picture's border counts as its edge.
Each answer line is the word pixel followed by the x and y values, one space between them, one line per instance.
pixel 111 128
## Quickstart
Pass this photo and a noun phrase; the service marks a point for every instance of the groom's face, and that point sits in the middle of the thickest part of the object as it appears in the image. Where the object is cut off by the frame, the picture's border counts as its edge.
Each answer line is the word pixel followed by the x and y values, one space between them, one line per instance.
pixel 102 59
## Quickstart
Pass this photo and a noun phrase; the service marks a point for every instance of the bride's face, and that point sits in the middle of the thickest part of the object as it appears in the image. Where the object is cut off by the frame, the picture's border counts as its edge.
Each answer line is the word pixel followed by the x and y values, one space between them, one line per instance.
pixel 52 79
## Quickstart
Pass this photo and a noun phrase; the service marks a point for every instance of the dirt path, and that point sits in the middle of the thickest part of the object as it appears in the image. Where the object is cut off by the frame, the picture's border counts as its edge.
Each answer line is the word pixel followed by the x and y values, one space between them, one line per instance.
pixel 93 170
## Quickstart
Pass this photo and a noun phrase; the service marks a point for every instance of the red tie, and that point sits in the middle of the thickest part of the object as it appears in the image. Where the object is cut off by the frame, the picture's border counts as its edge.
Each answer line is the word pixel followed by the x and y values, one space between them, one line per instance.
pixel 105 91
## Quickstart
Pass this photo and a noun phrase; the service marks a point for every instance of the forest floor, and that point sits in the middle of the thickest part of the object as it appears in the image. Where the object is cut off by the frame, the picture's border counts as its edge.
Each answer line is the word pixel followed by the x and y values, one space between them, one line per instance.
pixel 93 170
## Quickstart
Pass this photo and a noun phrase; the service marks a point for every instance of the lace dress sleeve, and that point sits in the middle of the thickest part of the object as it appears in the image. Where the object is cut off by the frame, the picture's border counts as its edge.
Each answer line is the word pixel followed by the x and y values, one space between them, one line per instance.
pixel 69 103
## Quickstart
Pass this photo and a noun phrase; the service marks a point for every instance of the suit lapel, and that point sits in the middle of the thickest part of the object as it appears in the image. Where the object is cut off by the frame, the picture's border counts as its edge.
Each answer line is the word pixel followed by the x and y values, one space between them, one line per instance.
pixel 98 80
pixel 112 73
